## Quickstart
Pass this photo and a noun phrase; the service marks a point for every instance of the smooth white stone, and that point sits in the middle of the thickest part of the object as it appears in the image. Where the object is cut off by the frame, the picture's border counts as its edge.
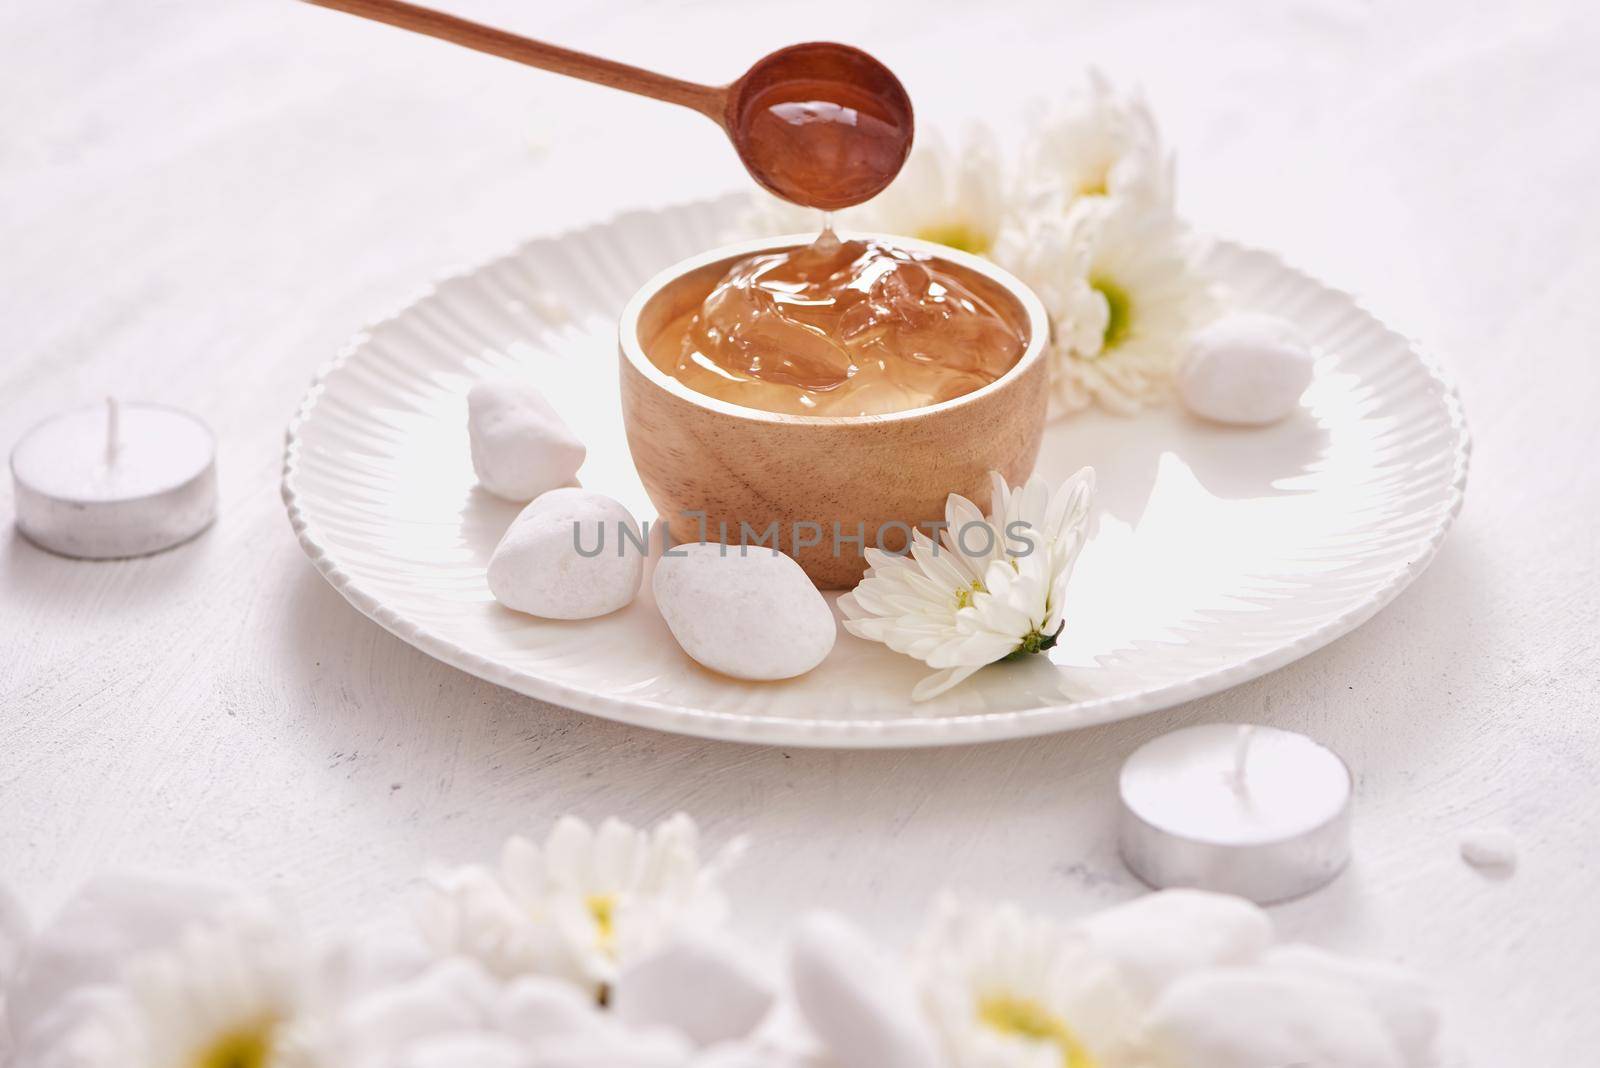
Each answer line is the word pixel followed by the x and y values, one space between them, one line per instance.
pixel 1156 939
pixel 1250 1017
pixel 857 1001
pixel 1489 847
pixel 1399 997
pixel 748 612
pixel 1246 369
pixel 538 569
pixel 521 447
pixel 705 985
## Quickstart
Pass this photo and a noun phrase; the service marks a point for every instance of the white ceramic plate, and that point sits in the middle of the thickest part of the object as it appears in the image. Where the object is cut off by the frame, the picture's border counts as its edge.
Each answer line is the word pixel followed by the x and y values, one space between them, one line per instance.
pixel 1217 554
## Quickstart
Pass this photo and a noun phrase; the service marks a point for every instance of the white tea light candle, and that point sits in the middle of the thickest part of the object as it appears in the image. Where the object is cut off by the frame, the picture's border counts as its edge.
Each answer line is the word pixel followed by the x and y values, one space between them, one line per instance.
pixel 1254 811
pixel 115 480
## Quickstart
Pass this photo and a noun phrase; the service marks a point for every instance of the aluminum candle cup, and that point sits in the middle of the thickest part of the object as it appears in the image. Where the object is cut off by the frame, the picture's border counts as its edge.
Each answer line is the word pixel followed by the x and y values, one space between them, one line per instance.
pixel 1254 811
pixel 115 480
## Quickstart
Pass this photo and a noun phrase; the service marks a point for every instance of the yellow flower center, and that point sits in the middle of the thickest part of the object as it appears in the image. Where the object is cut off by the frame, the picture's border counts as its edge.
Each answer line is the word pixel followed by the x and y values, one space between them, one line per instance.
pixel 1120 320
pixel 964 594
pixel 1095 185
pixel 956 235
pixel 1028 1019
pixel 603 907
pixel 249 1046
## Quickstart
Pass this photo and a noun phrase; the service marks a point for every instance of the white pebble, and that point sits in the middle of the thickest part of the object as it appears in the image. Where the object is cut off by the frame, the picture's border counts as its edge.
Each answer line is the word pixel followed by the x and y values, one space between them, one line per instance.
pixel 520 446
pixel 1246 369
pixel 705 985
pixel 1254 1016
pixel 538 567
pixel 1157 938
pixel 1400 999
pixel 857 1001
pixel 1489 847
pixel 748 612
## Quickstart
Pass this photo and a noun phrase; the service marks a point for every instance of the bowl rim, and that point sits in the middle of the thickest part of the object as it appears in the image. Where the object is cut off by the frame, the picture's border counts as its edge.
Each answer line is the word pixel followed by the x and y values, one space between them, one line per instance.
pixel 633 351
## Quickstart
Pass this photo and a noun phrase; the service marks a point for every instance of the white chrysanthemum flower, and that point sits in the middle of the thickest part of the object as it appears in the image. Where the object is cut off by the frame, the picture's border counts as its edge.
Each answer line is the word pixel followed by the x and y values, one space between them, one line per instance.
pixel 582 905
pixel 469 912
pixel 1099 143
pixel 951 193
pixel 235 990
pixel 992 587
pixel 1124 294
pixel 1006 990
pixel 454 1013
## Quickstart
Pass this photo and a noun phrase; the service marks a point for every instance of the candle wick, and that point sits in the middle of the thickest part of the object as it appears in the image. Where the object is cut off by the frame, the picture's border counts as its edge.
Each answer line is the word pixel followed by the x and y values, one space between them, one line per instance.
pixel 113 429
pixel 1238 779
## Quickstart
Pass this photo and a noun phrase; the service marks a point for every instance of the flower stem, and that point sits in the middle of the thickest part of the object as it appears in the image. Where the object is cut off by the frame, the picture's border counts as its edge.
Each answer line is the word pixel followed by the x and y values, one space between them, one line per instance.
pixel 1035 642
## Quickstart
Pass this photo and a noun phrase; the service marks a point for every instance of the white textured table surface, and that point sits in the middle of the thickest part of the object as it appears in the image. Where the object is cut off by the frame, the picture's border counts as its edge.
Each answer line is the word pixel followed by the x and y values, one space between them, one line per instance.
pixel 199 202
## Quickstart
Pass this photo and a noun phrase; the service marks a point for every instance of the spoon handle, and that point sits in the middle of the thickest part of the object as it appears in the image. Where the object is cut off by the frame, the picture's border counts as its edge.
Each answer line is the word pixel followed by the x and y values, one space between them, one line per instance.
pixel 706 99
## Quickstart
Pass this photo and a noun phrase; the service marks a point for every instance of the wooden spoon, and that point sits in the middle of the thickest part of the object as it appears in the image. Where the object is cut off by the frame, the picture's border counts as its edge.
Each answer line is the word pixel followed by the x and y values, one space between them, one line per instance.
pixel 824 125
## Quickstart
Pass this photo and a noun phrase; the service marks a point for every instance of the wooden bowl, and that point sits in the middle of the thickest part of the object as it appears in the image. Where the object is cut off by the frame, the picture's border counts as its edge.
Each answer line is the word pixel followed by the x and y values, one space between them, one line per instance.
pixel 825 481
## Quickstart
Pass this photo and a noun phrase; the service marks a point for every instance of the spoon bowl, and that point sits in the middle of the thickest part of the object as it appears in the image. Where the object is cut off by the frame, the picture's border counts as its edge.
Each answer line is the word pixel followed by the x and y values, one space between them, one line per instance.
pixel 820 124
